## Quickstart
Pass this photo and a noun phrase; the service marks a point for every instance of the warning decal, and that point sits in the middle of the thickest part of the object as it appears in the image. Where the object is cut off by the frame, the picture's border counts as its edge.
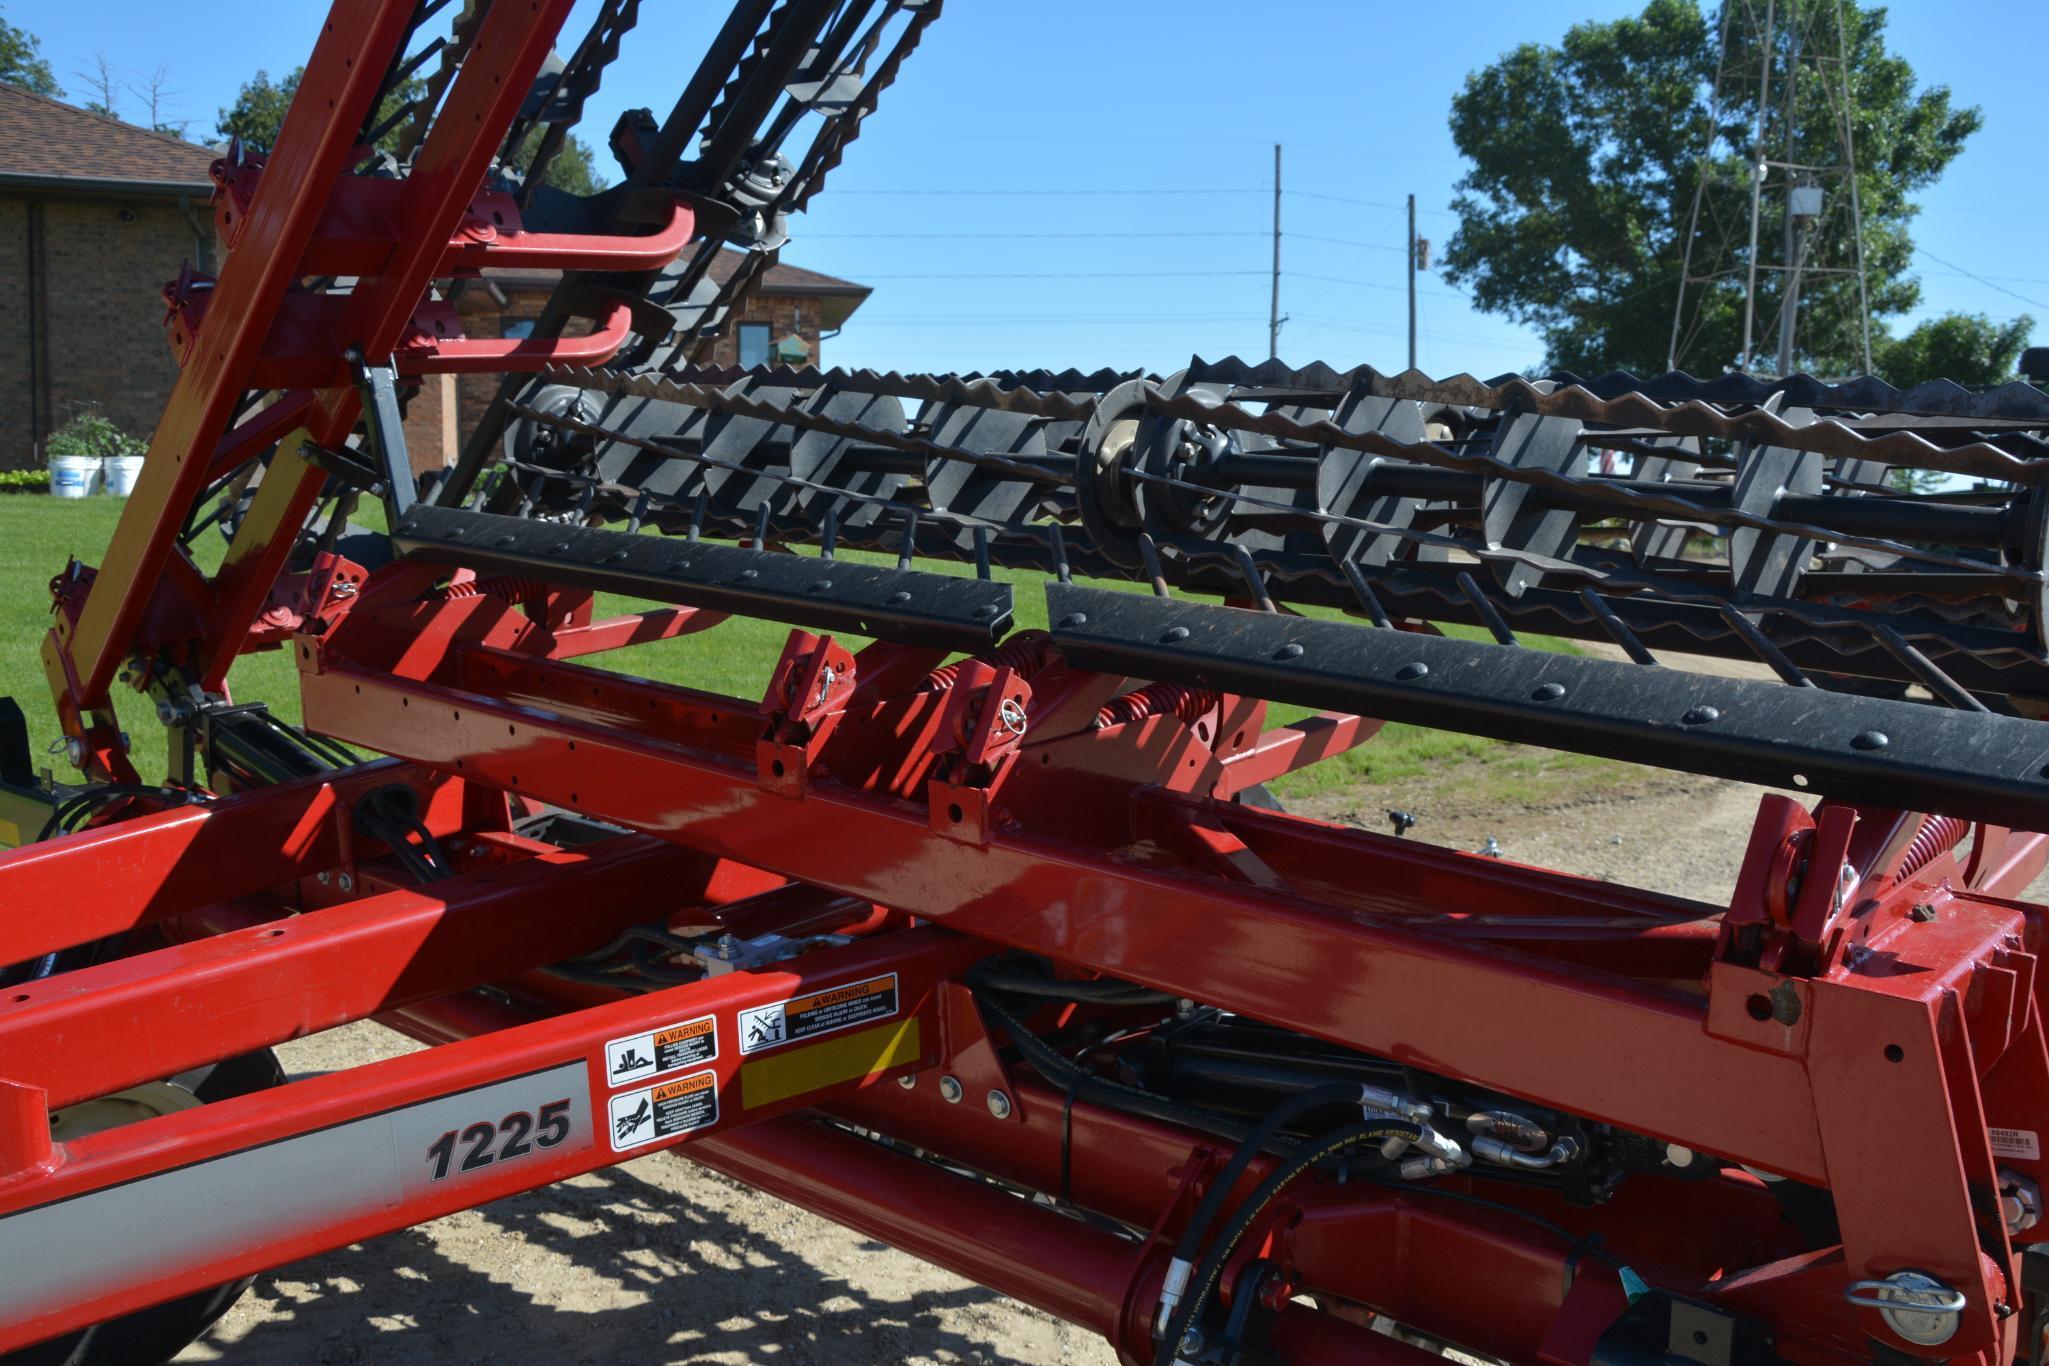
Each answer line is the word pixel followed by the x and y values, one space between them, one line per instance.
pixel 824 1012
pixel 674 1107
pixel 2015 1143
pixel 688 1043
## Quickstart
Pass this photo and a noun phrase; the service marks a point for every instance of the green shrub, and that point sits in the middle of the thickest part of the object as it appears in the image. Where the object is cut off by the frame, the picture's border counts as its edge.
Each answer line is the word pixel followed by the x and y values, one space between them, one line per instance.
pixel 92 436
pixel 24 481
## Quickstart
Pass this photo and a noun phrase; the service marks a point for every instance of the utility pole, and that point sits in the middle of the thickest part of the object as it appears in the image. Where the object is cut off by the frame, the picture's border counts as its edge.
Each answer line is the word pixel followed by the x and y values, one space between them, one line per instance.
pixel 1789 297
pixel 1764 91
pixel 1412 282
pixel 1273 308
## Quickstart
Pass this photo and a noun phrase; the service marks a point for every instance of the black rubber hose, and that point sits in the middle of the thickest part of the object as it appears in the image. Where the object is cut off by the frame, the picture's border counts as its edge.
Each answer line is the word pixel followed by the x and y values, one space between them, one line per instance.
pixel 1297 1162
pixel 1070 1076
pixel 1066 989
pixel 1289 1110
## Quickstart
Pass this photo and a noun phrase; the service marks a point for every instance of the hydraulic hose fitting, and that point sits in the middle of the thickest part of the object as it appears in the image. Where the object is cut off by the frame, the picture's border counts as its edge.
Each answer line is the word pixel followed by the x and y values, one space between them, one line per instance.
pixel 1503 1154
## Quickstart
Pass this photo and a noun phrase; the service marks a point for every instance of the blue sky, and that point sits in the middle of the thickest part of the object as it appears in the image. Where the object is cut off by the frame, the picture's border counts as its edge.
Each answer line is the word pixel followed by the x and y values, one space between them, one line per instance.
pixel 1088 181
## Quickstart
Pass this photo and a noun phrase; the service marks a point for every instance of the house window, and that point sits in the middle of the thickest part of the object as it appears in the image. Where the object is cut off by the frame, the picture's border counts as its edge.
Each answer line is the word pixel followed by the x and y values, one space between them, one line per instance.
pixel 753 344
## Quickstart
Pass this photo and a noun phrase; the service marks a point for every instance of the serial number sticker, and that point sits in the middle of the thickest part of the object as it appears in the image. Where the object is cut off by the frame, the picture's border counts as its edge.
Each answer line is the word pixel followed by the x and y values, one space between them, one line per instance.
pixel 2023 1143
pixel 823 1012
pixel 664 1111
pixel 687 1043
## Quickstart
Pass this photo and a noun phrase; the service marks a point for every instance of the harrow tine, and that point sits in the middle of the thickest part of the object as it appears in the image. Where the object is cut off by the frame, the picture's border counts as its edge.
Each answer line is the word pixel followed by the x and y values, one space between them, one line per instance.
pixel 1368 599
pixel 1936 681
pixel 1255 582
pixel 1617 629
pixel 909 549
pixel 1151 552
pixel 1490 615
pixel 1771 654
pixel 1057 542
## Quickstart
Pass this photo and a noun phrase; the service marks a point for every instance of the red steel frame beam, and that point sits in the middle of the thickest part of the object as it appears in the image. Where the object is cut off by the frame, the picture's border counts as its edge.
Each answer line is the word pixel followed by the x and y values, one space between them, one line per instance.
pixel 1392 990
pixel 312 152
pixel 73 1035
pixel 215 1193
pixel 154 867
pixel 1646 1059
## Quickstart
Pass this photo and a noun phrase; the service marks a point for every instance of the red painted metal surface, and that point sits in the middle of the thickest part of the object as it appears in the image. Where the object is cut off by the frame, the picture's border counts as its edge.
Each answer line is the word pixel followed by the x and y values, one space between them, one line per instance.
pixel 1864 1017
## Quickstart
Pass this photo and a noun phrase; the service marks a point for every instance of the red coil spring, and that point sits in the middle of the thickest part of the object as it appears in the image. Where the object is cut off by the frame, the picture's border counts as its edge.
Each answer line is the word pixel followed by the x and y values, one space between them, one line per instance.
pixel 1027 652
pixel 505 587
pixel 1937 836
pixel 1185 705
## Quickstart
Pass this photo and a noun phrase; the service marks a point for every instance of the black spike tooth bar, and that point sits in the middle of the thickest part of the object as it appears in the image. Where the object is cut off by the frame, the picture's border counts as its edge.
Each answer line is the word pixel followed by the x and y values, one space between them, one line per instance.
pixel 1893 754
pixel 905 605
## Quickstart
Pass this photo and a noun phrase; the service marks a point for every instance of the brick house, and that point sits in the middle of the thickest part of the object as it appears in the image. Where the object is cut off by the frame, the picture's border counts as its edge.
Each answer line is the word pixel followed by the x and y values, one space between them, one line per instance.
pixel 784 320
pixel 97 215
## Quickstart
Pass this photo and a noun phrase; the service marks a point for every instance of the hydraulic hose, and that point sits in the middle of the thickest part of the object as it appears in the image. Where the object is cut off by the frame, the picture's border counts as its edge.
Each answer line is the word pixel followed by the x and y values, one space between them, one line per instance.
pixel 1289 1110
pixel 1288 1169
pixel 1082 1082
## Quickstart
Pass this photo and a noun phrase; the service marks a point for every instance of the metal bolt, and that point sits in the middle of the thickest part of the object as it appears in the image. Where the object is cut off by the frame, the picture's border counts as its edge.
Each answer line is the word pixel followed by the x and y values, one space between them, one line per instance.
pixel 1289 651
pixel 1073 619
pixel 1191 1343
pixel 1870 739
pixel 728 948
pixel 1922 912
pixel 999 1105
pixel 346 883
pixel 1548 692
pixel 1411 672
pixel 949 1090
pixel 166 713
pixel 321 877
pixel 1700 716
pixel 2020 1202
pixel 1174 633
pixel 74 750
pixel 1677 1156
pixel 908 1081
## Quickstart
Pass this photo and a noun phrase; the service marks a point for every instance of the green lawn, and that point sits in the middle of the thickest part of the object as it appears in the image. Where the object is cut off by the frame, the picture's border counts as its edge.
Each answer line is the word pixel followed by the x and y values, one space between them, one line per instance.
pixel 38 533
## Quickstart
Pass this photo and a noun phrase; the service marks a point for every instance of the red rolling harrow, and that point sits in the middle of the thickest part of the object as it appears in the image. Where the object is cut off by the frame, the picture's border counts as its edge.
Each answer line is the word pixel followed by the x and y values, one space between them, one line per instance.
pixel 983 941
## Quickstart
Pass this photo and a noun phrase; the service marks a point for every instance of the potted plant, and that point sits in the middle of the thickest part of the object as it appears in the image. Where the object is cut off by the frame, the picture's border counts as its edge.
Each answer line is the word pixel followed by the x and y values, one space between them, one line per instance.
pixel 89 451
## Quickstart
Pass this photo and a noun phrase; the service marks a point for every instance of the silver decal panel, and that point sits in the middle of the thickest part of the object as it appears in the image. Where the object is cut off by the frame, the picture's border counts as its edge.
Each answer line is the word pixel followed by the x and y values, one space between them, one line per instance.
pixel 78 1249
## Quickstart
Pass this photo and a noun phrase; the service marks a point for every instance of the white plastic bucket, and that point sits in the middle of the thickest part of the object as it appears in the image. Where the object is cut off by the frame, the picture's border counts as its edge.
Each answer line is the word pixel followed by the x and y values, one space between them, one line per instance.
pixel 118 474
pixel 72 476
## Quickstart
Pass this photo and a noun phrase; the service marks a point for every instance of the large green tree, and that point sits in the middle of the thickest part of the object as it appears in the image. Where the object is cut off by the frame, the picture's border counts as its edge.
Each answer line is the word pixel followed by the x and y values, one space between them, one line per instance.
pixel 1969 348
pixel 1586 157
pixel 259 112
pixel 22 62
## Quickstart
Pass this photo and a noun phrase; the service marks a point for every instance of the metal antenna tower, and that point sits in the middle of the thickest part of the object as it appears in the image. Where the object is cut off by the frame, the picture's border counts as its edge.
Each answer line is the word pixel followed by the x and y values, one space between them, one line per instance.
pixel 1794 53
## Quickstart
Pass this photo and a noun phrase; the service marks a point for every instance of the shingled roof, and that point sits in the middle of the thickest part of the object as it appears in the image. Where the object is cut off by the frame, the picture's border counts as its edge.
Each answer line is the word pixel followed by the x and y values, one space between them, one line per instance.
pixel 837 298
pixel 52 145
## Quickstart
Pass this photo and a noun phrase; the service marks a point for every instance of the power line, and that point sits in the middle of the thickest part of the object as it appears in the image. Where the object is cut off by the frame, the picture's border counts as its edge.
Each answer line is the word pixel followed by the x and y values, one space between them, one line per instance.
pixel 1098 320
pixel 1368 284
pixel 1005 236
pixel 1079 275
pixel 1343 241
pixel 1044 191
pixel 1365 203
pixel 1970 275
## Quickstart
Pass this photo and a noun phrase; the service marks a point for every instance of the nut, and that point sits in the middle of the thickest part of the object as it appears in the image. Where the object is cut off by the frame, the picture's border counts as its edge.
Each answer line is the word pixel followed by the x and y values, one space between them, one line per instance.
pixel 2020 1202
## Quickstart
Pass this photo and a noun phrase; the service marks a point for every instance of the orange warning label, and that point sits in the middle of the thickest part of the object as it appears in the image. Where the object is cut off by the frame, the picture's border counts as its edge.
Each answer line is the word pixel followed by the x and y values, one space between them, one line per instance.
pixel 821 1012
